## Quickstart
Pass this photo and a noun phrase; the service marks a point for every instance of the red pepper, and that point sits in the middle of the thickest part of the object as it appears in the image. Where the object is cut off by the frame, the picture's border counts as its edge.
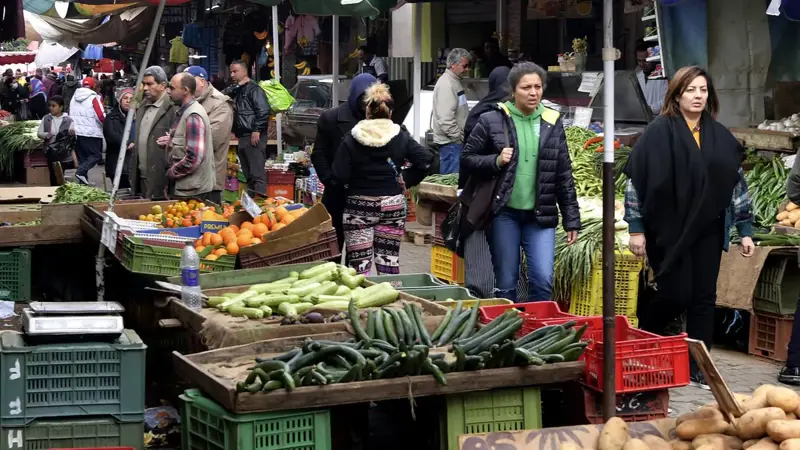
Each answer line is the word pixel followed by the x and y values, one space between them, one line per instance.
pixel 592 141
pixel 616 146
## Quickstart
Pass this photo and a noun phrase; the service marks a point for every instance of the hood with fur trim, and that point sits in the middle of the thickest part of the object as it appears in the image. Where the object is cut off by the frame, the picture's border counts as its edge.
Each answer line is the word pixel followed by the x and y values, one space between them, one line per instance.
pixel 375 132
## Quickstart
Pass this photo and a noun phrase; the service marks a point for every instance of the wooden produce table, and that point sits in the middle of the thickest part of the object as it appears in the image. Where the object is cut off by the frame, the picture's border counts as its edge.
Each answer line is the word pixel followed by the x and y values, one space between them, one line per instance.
pixel 216 372
pixel 778 141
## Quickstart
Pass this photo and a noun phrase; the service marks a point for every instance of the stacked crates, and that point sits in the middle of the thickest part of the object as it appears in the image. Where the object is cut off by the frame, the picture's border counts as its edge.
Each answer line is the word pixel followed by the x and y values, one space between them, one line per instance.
pixel 15 275
pixel 73 395
pixel 774 304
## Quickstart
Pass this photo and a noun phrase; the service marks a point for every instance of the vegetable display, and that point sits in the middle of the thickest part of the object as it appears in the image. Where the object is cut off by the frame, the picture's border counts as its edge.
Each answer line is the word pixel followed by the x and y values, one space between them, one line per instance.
pixel 766 184
pixel 769 422
pixel 789 124
pixel 587 162
pixel 776 240
pixel 77 193
pixel 393 342
pixel 14 137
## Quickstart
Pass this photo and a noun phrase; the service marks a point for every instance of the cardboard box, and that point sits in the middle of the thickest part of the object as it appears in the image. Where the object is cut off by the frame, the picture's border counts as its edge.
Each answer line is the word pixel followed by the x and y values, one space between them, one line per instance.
pixel 213 226
pixel 305 230
pixel 37 176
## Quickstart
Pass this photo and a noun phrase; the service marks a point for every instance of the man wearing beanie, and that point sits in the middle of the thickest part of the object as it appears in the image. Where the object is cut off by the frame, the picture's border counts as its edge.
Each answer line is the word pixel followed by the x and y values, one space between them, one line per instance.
pixel 86 111
pixel 219 109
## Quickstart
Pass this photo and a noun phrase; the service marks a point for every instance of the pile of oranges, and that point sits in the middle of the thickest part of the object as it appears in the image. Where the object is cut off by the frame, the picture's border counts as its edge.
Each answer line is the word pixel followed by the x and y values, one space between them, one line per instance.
pixel 186 214
pixel 278 217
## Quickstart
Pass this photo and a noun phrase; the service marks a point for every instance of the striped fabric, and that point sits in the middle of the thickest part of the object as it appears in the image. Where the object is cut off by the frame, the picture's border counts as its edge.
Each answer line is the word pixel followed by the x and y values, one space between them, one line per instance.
pixel 479 272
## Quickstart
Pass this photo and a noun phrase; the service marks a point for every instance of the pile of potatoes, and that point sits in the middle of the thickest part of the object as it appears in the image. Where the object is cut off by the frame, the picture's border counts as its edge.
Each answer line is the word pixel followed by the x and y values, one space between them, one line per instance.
pixel 769 422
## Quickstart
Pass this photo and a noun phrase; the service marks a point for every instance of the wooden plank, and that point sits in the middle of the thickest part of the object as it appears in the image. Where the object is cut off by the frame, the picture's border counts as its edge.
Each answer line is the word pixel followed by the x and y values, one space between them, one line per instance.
pixel 725 399
pixel 40 235
pixel 224 390
pixel 14 215
pixel 766 139
pixel 27 194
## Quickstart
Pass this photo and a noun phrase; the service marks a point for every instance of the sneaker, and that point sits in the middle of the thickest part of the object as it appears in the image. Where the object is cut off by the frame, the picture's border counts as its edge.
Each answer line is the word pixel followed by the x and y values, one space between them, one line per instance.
pixel 790 375
pixel 697 379
pixel 82 179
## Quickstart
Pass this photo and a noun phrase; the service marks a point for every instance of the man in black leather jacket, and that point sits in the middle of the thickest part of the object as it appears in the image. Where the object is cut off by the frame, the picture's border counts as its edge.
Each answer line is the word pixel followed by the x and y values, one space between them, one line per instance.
pixel 250 126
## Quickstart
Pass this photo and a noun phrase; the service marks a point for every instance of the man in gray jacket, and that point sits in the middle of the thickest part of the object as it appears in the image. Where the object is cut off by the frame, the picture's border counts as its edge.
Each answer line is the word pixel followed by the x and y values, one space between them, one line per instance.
pixel 450 111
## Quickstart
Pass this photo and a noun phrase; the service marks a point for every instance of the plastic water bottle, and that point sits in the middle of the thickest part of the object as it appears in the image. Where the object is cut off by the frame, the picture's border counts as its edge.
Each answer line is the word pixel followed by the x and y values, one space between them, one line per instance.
pixel 190 281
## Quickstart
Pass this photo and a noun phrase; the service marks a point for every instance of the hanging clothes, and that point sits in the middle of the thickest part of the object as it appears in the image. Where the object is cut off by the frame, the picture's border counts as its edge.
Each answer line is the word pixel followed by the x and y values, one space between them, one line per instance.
pixel 302 30
pixel 178 53
pixel 93 51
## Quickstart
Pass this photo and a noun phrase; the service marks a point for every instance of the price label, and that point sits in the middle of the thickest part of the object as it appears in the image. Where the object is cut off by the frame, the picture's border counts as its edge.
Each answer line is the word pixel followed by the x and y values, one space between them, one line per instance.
pixel 250 206
pixel 108 236
pixel 582 117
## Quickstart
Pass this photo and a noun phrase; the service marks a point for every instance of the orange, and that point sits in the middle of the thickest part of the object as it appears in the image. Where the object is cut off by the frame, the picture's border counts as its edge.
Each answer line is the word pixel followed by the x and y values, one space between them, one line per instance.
pixel 256 220
pixel 297 212
pixel 247 226
pixel 259 229
pixel 198 242
pixel 278 226
pixel 245 233
pixel 228 239
pixel 255 241
pixel 186 223
pixel 234 228
pixel 243 240
pixel 220 252
pixel 207 238
pixel 287 219
pixel 216 239
pixel 281 211
pixel 199 249
pixel 211 257
pixel 232 248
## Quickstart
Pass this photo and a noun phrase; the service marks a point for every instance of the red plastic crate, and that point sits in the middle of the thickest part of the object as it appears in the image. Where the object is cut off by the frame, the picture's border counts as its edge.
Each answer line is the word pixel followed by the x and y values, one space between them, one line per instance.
pixel 769 336
pixel 533 313
pixel 280 190
pixel 632 407
pixel 280 177
pixel 326 248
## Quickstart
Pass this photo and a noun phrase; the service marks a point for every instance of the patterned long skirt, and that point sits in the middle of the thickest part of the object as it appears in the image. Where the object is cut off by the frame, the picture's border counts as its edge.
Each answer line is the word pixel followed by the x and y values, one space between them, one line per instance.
pixel 373 227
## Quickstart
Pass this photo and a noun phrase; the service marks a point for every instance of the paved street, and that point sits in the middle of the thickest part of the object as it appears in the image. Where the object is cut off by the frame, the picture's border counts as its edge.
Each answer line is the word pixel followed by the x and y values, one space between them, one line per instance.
pixel 741 372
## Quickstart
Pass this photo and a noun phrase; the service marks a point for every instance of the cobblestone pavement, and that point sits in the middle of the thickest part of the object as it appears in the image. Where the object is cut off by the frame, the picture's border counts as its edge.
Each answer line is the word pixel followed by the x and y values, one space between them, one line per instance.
pixel 741 372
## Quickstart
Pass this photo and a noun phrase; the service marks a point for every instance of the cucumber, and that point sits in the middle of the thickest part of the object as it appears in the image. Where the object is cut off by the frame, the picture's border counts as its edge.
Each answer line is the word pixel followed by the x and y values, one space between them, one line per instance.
pixel 287 309
pixel 388 326
pixel 572 354
pixel 472 322
pixel 553 358
pixel 423 332
pixel 410 329
pixel 557 346
pixel 399 327
pixel 380 332
pixel 355 322
pixel 455 323
pixel 250 313
pixel 536 334
pixel 316 270
pixel 371 324
pixel 440 329
pixel 504 333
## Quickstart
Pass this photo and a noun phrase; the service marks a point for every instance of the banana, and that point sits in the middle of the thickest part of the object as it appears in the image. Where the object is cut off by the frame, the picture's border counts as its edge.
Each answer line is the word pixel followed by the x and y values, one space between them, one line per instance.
pixel 307 71
pixel 271 64
pixel 272 73
pixel 360 38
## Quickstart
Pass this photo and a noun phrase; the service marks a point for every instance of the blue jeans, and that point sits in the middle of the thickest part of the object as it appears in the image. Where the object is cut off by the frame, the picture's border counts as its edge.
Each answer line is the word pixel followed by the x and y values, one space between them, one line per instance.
pixel 512 228
pixel 449 158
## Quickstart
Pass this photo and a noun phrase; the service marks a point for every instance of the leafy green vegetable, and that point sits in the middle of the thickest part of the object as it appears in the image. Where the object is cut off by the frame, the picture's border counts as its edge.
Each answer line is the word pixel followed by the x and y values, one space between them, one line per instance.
pixel 15 137
pixel 766 184
pixel 78 193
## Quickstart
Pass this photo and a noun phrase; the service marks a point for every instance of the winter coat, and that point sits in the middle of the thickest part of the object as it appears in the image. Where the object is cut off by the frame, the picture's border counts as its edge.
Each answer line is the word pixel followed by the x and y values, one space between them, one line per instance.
pixel 113 127
pixel 219 109
pixel 555 187
pixel 362 162
pixel 156 156
pixel 68 91
pixel 252 109
pixel 87 112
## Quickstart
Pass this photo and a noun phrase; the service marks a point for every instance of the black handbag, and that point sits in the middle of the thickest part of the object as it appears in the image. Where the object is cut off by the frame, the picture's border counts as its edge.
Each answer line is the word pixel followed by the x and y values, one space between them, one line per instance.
pixel 61 148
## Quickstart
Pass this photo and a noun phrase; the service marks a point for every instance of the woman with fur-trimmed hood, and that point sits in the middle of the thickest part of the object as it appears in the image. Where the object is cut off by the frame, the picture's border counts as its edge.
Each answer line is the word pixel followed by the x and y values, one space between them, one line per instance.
pixel 370 165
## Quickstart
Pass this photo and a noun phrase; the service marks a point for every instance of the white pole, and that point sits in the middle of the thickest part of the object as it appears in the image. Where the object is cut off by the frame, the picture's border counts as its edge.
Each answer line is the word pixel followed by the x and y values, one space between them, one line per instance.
pixel 335 62
pixel 276 58
pixel 417 68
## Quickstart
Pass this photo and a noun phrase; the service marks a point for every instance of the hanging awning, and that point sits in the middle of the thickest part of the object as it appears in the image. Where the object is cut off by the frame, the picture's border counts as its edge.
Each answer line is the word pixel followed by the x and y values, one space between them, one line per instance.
pixel 53 54
pixel 343 8
pixel 16 58
pixel 129 26
pixel 106 6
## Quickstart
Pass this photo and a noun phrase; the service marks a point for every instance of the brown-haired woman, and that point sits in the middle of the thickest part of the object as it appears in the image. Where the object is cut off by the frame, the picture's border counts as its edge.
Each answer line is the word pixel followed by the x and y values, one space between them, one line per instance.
pixel 686 189
pixel 370 165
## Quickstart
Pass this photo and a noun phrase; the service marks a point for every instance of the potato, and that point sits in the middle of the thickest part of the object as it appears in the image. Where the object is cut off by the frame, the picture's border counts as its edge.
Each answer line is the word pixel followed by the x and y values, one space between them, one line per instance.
pixel 786 222
pixel 753 424
pixel 791 206
pixel 764 444
pixel 783 215
pixel 790 444
pixel 783 398
pixel 700 413
pixel 750 443
pixel 678 444
pixel 781 430
pixel 692 428
pixel 759 398
pixel 791 416
pixel 635 444
pixel 569 446
pixel 614 435
pixel 705 447
pixel 656 442
pixel 718 441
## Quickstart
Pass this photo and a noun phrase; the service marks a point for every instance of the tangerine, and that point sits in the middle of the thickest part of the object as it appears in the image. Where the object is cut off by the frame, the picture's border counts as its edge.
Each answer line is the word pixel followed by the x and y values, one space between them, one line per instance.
pixel 278 226
pixel 207 238
pixel 243 240
pixel 247 226
pixel 281 211
pixel 255 241
pixel 287 219
pixel 234 228
pixel 245 233
pixel 256 220
pixel 259 229
pixel 211 257
pixel 199 248
pixel 232 248
pixel 220 252
pixel 216 239
pixel 297 212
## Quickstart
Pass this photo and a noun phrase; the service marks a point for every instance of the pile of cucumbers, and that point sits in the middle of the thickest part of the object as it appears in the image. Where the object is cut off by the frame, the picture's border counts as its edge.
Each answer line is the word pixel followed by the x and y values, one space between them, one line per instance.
pixel 395 343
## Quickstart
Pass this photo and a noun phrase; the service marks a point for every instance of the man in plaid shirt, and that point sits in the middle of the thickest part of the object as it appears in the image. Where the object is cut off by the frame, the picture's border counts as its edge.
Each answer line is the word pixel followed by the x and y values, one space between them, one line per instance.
pixel 191 172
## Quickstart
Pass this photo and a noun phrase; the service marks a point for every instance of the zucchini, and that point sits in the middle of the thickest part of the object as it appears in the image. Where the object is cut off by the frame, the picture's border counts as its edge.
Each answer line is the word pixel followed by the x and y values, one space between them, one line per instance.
pixel 411 330
pixel 302 307
pixel 323 277
pixel 338 305
pixel 255 301
pixel 380 331
pixel 316 270
pixel 273 288
pixel 355 293
pixel 472 322
pixel 380 298
pixel 267 310
pixel 264 287
pixel 239 298
pixel 399 328
pixel 388 326
pixel 214 301
pixel 370 324
pixel 440 329
pixel 423 332
pixel 326 288
pixel 302 291
pixel 355 322
pixel 343 291
pixel 351 281
pixel 273 300
pixel 250 313
pixel 287 309
pixel 325 298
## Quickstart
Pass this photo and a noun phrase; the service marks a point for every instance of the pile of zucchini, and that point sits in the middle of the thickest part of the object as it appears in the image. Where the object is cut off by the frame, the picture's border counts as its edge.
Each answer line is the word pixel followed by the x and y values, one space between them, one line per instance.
pixel 328 286
pixel 395 343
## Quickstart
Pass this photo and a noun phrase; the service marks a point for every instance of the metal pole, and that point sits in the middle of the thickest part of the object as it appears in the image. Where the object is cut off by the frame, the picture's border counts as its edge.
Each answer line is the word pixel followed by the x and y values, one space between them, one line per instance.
pixel 609 324
pixel 123 147
pixel 335 62
pixel 276 58
pixel 417 68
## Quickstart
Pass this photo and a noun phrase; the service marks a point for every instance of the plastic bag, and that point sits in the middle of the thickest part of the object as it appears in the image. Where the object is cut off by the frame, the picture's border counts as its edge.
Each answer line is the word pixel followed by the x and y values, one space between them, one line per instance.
pixel 61 148
pixel 280 100
pixel 451 230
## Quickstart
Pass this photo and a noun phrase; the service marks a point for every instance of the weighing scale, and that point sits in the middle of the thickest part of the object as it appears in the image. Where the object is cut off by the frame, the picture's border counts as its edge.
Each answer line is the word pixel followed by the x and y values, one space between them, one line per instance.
pixel 72 321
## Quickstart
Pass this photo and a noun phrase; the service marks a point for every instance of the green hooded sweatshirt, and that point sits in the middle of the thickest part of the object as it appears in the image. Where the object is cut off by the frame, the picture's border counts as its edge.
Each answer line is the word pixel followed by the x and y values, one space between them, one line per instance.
pixel 523 195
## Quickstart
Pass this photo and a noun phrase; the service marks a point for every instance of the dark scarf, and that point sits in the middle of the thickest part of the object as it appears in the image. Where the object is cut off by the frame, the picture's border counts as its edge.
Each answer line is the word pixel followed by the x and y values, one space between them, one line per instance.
pixel 682 190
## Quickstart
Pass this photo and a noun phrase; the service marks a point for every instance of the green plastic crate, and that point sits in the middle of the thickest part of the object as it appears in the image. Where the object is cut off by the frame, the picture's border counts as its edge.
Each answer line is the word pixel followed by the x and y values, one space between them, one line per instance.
pixel 70 380
pixel 411 280
pixel 86 433
pixel 15 275
pixel 510 409
pixel 778 286
pixel 437 294
pixel 164 261
pixel 208 426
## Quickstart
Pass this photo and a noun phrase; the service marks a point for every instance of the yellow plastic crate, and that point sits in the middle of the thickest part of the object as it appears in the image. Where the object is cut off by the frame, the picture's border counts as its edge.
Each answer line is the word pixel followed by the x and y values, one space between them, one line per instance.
pixel 446 265
pixel 587 300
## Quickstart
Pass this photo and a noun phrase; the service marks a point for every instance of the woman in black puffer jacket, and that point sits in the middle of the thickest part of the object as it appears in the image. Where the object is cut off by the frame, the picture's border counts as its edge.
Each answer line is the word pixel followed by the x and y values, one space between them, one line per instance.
pixel 523 144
